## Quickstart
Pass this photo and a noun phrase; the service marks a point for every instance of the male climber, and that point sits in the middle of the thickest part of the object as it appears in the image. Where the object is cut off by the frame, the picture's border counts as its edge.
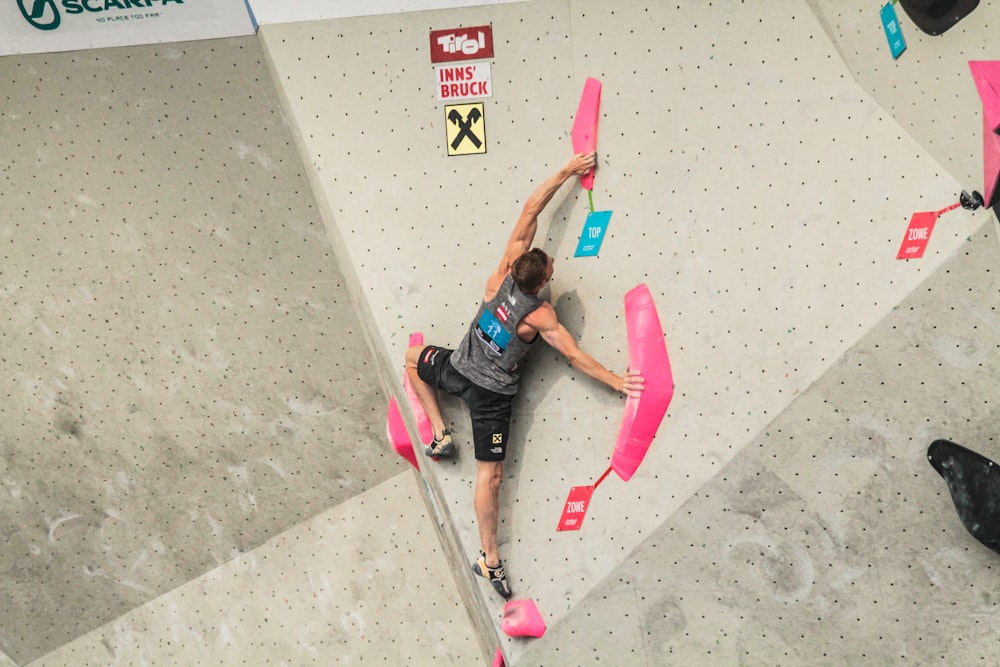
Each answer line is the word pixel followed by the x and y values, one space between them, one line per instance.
pixel 483 371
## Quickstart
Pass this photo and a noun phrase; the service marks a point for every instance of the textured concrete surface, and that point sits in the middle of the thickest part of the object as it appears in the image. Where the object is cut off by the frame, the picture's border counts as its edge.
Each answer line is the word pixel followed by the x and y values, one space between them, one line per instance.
pixel 185 377
pixel 329 590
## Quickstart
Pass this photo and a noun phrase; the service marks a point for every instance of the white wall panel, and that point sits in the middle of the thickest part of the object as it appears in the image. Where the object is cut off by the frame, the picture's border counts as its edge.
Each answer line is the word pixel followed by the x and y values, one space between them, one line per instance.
pixel 758 190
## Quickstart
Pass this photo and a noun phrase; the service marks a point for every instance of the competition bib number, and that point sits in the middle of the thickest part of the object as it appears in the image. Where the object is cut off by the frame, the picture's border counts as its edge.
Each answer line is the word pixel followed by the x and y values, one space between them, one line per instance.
pixel 491 332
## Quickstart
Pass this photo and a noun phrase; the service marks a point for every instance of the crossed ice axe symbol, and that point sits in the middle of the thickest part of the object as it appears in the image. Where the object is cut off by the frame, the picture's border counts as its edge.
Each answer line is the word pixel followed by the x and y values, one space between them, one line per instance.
pixel 465 127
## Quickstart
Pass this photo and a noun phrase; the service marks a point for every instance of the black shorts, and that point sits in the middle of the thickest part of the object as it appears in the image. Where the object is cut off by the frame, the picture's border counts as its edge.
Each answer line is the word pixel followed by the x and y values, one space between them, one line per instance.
pixel 490 411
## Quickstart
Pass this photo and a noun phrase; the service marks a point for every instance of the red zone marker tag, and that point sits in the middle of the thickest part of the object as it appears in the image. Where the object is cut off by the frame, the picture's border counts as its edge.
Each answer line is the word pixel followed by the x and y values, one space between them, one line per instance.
pixel 576 508
pixel 576 505
pixel 918 233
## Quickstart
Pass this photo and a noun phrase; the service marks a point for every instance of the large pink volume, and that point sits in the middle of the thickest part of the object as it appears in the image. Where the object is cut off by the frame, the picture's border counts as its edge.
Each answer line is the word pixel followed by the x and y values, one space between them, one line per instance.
pixel 986 74
pixel 584 132
pixel 648 354
pixel 424 429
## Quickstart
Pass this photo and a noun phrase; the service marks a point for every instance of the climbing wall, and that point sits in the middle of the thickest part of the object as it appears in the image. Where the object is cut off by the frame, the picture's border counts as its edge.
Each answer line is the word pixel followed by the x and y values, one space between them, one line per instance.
pixel 214 254
pixel 928 90
pixel 757 189
pixel 185 379
pixel 326 586
pixel 829 539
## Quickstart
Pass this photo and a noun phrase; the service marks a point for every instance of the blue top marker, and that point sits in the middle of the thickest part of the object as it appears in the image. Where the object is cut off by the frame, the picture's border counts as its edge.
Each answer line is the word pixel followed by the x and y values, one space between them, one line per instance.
pixel 892 31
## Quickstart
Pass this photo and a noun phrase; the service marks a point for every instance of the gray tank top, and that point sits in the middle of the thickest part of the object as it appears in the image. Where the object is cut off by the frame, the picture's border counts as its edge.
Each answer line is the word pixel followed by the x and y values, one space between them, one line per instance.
pixel 491 350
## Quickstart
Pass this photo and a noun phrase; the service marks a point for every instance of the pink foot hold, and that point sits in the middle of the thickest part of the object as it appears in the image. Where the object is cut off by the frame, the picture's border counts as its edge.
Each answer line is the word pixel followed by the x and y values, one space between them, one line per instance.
pixel 521 619
pixel 498 658
pixel 396 429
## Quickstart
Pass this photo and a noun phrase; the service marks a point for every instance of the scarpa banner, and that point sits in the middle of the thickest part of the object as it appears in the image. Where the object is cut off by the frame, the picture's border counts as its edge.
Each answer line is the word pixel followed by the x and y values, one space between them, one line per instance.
pixel 42 26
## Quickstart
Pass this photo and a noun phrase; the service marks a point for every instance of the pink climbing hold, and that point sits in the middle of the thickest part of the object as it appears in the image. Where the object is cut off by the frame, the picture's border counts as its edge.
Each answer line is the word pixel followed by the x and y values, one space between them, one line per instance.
pixel 396 429
pixel 522 619
pixel 424 429
pixel 498 658
pixel 584 132
pixel 986 74
pixel 648 355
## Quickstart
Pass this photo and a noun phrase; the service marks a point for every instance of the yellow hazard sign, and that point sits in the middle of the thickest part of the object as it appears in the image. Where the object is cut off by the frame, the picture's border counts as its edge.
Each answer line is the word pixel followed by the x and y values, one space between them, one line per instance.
pixel 466 134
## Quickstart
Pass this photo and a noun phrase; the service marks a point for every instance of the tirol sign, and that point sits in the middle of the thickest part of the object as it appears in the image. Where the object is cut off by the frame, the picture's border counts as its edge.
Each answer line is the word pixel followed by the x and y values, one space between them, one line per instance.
pixel 35 26
pixel 475 43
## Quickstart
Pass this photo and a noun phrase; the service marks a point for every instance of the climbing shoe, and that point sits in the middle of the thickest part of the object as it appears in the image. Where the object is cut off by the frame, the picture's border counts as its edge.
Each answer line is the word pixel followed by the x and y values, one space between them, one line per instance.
pixel 496 575
pixel 441 447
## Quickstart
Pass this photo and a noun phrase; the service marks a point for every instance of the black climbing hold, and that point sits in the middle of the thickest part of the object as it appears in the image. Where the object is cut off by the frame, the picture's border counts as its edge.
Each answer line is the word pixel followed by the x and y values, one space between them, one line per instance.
pixel 974 483
pixel 970 201
pixel 936 16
